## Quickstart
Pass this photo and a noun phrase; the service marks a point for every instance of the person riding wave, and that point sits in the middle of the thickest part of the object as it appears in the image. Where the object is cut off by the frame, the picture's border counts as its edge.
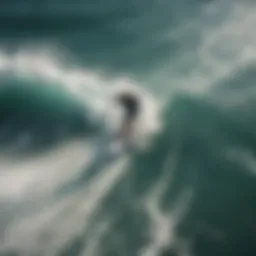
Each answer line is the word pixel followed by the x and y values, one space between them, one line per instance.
pixel 131 106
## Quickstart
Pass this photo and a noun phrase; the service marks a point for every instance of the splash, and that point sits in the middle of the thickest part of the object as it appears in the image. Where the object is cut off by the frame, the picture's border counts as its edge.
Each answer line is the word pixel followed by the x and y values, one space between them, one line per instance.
pixel 88 86
pixel 148 122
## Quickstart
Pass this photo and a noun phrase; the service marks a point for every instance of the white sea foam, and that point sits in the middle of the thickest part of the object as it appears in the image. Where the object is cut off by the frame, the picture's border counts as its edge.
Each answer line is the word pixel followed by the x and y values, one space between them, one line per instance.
pixel 30 182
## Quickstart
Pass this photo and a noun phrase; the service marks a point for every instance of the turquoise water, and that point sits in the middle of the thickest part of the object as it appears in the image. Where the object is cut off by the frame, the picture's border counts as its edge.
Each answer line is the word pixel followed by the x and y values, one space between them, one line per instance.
pixel 191 192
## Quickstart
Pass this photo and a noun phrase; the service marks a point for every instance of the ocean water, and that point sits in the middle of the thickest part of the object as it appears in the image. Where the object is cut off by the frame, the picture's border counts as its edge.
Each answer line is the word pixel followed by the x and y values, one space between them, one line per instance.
pixel 190 189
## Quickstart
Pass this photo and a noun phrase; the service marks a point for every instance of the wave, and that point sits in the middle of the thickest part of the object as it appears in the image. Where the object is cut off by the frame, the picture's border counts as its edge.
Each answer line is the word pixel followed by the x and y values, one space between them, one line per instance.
pixel 43 101
pixel 191 193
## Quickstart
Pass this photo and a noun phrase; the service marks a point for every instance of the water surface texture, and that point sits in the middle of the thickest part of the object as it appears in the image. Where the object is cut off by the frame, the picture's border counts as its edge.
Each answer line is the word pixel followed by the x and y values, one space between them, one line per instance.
pixel 191 191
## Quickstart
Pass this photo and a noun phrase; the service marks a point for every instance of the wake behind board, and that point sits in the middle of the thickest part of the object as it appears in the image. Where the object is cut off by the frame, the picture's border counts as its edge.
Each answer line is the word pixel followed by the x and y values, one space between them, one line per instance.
pixel 106 152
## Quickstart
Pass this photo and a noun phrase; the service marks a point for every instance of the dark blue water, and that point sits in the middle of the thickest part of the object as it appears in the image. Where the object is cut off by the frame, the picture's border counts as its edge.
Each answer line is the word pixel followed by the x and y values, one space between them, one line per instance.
pixel 192 192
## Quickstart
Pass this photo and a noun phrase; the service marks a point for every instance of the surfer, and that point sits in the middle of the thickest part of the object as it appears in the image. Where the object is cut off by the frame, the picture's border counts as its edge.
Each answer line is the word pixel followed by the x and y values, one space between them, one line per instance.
pixel 109 149
pixel 131 106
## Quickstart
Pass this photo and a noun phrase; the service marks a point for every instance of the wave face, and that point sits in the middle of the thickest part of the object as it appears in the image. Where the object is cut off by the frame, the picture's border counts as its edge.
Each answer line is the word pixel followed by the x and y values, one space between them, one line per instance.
pixel 188 188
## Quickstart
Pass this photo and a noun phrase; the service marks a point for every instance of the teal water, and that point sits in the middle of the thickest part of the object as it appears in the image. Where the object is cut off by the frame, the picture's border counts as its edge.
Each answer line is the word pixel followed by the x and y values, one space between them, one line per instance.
pixel 192 192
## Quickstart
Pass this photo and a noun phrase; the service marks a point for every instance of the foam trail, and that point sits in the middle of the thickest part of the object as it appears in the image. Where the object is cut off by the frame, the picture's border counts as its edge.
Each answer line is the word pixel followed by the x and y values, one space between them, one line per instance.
pixel 102 157
pixel 94 241
pixel 58 220
pixel 21 179
pixel 162 224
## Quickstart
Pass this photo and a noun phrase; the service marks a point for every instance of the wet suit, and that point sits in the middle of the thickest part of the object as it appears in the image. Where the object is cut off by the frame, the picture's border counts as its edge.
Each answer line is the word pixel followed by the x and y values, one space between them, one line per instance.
pixel 130 104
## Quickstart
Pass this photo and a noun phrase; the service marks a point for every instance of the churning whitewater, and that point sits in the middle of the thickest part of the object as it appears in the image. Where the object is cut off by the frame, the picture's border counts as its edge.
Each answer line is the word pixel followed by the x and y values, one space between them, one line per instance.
pixel 187 185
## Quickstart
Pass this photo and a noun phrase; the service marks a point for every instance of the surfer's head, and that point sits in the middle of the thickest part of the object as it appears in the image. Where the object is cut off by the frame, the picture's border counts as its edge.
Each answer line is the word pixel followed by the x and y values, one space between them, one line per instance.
pixel 131 104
